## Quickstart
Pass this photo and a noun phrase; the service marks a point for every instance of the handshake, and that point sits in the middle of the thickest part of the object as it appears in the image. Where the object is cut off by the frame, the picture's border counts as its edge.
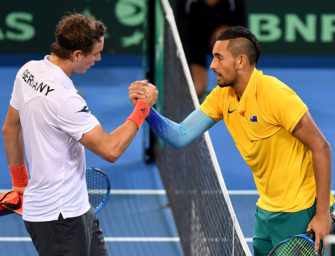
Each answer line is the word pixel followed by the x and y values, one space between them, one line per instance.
pixel 142 90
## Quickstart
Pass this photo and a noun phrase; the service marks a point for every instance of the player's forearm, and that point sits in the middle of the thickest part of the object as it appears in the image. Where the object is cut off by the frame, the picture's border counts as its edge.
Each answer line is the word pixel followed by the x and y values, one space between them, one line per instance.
pixel 13 141
pixel 309 134
pixel 179 135
pixel 322 173
pixel 110 146
pixel 120 139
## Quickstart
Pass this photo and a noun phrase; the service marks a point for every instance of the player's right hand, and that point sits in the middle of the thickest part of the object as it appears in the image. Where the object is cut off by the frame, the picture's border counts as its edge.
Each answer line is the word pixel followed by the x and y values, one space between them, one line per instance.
pixel 137 90
pixel 151 94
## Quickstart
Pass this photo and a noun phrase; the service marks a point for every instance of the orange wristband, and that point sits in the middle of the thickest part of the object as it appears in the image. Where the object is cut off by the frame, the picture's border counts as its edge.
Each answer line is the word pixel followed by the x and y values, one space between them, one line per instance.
pixel 19 175
pixel 139 113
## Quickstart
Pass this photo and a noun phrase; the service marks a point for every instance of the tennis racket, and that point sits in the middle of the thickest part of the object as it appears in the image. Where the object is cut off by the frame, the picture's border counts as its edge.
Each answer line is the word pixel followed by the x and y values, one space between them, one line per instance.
pixel 302 244
pixel 98 188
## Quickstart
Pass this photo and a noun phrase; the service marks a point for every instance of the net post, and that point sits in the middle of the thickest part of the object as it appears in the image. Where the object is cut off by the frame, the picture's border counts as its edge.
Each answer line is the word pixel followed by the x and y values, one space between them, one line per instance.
pixel 148 56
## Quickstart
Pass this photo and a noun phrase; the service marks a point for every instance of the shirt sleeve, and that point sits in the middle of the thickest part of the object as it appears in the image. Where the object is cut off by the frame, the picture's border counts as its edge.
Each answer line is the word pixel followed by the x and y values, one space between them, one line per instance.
pixel 75 118
pixel 178 135
pixel 213 104
pixel 285 108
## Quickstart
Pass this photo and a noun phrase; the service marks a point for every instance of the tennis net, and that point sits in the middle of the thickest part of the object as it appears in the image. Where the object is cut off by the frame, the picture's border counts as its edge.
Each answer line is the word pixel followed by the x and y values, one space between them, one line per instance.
pixel 205 219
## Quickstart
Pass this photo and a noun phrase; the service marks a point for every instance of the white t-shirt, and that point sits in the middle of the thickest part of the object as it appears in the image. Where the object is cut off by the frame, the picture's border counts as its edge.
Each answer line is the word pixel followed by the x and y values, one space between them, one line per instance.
pixel 53 118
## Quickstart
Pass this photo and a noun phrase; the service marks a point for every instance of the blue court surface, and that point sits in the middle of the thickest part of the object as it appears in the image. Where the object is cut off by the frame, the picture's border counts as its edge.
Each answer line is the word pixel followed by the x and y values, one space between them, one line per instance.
pixel 137 219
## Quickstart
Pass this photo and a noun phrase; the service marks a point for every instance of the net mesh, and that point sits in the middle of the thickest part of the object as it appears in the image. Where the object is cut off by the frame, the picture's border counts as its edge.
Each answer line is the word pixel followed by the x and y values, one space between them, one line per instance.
pixel 205 220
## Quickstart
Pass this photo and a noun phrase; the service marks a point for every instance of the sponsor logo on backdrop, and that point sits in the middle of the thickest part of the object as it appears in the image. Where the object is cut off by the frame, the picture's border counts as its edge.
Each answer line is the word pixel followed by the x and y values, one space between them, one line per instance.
pixel 131 13
pixel 17 26
pixel 289 31
pixel 269 27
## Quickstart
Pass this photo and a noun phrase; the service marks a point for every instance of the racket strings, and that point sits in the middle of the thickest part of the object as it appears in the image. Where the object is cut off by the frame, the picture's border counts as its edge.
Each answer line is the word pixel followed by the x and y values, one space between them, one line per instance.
pixel 296 246
pixel 97 187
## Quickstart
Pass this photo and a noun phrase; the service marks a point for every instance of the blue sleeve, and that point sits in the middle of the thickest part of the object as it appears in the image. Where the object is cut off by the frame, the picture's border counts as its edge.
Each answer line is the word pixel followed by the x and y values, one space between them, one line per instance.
pixel 179 135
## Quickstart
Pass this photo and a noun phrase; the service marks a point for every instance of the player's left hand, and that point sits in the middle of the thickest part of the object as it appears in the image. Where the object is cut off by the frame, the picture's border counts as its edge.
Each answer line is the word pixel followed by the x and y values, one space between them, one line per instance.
pixel 321 224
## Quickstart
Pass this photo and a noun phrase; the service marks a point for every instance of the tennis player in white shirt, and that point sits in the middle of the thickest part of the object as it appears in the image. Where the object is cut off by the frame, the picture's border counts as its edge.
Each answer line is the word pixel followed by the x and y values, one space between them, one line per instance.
pixel 50 124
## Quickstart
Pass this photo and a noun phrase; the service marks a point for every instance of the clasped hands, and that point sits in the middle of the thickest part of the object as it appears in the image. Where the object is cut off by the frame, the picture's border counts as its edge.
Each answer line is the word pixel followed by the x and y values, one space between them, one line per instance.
pixel 144 91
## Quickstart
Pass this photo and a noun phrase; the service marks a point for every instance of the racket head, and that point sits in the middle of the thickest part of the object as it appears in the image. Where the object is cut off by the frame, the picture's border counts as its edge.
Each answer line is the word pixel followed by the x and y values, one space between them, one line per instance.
pixel 98 188
pixel 301 244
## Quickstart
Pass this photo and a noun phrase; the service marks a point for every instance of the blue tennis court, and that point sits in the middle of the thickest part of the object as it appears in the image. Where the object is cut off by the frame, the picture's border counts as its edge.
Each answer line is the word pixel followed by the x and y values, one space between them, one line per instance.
pixel 137 219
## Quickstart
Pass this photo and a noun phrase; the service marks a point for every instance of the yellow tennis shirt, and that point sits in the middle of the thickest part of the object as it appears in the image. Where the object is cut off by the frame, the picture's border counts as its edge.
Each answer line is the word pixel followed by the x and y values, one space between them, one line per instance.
pixel 261 123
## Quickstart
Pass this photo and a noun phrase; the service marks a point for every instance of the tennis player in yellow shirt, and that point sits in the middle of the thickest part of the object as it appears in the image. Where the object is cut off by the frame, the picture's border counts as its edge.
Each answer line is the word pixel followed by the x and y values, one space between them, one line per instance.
pixel 289 157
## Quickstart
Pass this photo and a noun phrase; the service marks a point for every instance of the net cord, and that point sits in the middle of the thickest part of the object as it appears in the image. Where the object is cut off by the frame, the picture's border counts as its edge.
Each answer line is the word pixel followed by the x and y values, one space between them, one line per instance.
pixel 169 16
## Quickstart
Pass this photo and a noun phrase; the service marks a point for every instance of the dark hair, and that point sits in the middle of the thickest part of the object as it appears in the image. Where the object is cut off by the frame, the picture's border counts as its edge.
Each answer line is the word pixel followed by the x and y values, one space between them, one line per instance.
pixel 77 32
pixel 241 41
